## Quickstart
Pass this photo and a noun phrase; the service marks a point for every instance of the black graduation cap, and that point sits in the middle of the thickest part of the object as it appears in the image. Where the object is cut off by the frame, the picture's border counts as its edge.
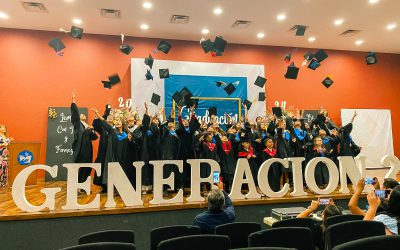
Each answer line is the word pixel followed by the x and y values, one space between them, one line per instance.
pixel 220 83
pixel 308 56
pixel 176 97
pixel 76 32
pixel 207 45
pixel 56 44
pixel 327 82
pixel 212 111
pixel 247 103
pixel 314 64
pixel 219 44
pixel 186 96
pixel 261 96
pixel 320 55
pixel 114 79
pixel 125 48
pixel 149 61
pixel 300 30
pixel 244 135
pixel 148 75
pixel 287 58
pixel 164 46
pixel 164 73
pixel 292 71
pixel 277 111
pixel 155 99
pixel 370 58
pixel 260 81
pixel 230 89
pixel 106 84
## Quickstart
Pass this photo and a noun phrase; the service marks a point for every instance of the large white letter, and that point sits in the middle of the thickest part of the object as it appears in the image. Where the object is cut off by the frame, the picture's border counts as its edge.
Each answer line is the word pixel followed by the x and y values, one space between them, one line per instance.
pixel 394 164
pixel 333 175
pixel 195 194
pixel 73 185
pixel 243 168
pixel 159 181
pixel 352 167
pixel 263 178
pixel 117 178
pixel 18 189
pixel 298 188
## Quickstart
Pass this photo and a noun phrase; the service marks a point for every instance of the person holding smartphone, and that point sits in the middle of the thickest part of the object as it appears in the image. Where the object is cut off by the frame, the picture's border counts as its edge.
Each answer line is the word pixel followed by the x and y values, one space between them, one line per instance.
pixel 220 211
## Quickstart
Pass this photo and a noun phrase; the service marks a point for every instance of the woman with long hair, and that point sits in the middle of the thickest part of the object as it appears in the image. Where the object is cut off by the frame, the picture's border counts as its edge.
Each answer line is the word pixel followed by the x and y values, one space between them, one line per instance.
pixel 4 142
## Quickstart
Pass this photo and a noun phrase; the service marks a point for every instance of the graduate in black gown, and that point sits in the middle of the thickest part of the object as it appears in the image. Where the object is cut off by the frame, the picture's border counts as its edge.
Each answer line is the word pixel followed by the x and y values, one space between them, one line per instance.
pixel 347 146
pixel 275 170
pixel 169 146
pixel 83 136
pixel 321 173
pixel 208 150
pixel 228 157
pixel 185 132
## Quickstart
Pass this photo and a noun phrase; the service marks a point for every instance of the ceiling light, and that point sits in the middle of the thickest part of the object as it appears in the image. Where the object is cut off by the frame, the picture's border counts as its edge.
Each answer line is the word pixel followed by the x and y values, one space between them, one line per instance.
pixel 311 39
pixel 3 15
pixel 144 26
pixel 147 5
pixel 217 11
pixel 339 22
pixel 260 35
pixel 391 26
pixel 205 31
pixel 373 1
pixel 359 42
pixel 77 21
pixel 281 17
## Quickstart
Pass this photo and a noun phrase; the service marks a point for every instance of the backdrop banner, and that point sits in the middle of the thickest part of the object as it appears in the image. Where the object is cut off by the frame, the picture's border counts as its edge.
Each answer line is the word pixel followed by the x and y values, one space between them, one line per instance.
pixel 200 79
pixel 372 130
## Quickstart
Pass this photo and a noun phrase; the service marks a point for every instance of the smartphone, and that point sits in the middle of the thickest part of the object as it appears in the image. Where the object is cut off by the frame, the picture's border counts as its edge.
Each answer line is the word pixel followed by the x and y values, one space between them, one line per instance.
pixel 382 193
pixel 215 177
pixel 324 201
pixel 369 181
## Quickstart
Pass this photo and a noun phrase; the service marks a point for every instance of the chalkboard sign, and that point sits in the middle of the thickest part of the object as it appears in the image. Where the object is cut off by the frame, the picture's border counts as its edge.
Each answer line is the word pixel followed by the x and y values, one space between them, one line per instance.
pixel 310 115
pixel 60 135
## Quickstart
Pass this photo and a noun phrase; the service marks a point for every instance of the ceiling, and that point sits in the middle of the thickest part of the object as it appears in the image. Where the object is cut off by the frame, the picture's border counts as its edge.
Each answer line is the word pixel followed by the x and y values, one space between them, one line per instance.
pixel 319 15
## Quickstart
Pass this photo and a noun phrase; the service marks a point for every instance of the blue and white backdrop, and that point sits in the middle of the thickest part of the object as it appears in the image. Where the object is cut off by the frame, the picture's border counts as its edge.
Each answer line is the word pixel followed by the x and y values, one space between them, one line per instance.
pixel 200 78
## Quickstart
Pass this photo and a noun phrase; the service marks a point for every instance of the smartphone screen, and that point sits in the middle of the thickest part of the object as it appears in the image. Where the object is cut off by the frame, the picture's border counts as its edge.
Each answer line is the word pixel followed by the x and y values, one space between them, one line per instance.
pixel 380 193
pixel 369 181
pixel 215 176
pixel 324 201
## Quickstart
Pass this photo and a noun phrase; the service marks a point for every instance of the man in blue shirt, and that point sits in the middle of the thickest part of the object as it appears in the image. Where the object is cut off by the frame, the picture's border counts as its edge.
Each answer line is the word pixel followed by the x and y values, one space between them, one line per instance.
pixel 220 211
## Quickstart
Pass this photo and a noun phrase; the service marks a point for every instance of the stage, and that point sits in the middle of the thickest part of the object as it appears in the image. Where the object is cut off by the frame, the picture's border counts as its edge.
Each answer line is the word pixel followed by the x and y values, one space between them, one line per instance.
pixel 60 228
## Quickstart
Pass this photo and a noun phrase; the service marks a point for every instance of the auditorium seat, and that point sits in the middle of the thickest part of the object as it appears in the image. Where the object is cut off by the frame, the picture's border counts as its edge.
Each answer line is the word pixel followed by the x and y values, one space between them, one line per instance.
pixel 103 246
pixel 342 218
pixel 264 248
pixel 300 238
pixel 165 233
pixel 124 236
pixel 302 222
pixel 372 243
pixel 196 242
pixel 352 230
pixel 238 232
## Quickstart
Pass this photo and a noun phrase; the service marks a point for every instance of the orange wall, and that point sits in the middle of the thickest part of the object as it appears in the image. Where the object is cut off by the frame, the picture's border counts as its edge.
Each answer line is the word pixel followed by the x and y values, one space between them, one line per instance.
pixel 33 77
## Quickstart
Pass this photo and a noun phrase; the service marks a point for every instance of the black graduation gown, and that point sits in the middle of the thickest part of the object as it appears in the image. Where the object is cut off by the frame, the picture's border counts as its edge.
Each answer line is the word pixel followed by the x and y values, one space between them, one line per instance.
pixel 275 170
pixel 82 145
pixel 207 152
pixel 347 145
pixel 187 146
pixel 321 173
pixel 228 161
pixel 169 150
pixel 252 162
pixel 283 147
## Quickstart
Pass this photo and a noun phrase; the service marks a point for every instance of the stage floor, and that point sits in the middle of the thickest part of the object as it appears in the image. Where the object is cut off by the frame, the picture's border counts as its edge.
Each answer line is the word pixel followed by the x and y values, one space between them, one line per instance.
pixel 9 211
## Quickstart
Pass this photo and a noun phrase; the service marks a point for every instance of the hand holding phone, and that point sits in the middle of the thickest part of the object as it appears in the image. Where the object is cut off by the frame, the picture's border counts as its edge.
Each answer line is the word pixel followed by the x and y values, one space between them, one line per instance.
pixel 370 181
pixel 324 201
pixel 382 193
pixel 215 177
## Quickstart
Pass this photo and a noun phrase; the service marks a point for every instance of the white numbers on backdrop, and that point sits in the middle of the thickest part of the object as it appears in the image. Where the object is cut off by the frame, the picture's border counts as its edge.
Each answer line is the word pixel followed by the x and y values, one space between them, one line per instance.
pixel 126 104
pixel 282 105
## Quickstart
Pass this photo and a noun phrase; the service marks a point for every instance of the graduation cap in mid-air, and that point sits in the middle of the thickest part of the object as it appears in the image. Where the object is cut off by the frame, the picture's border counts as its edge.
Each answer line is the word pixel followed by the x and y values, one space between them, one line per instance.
pixel 125 48
pixel 261 96
pixel 277 111
pixel 155 99
pixel 320 55
pixel 164 46
pixel 229 89
pixel 216 48
pixel 327 82
pixel 247 103
pixel 287 58
pixel 300 30
pixel 314 64
pixel 149 61
pixel 148 75
pixel 112 80
pixel 76 32
pixel 292 71
pixel 57 45
pixel 260 81
pixel 164 73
